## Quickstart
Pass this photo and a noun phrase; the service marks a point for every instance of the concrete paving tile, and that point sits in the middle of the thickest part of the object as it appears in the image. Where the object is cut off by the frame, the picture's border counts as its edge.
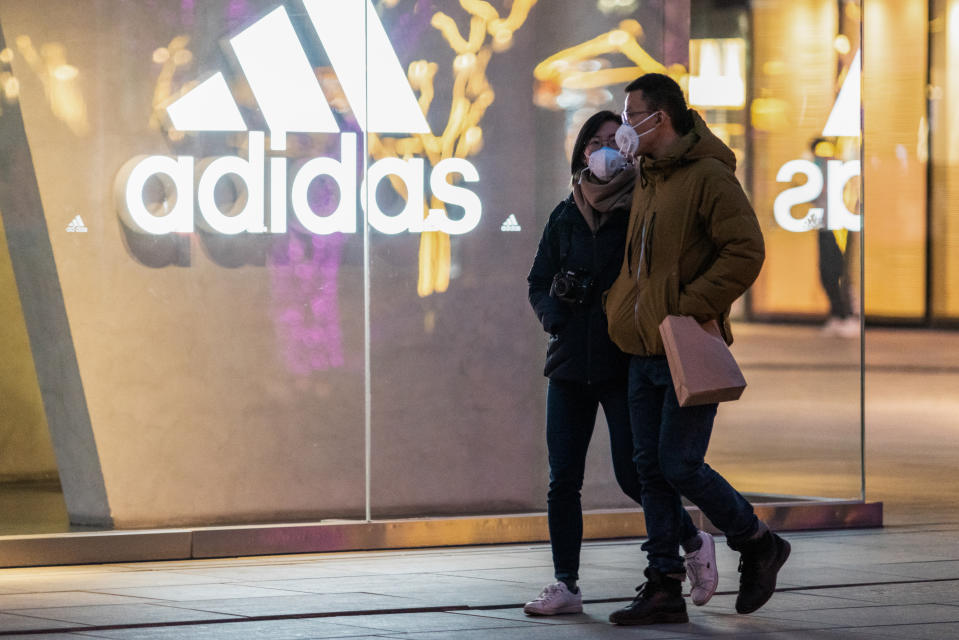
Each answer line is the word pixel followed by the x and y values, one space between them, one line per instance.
pixel 716 620
pixel 870 616
pixel 555 632
pixel 102 580
pixel 866 558
pixel 476 596
pixel 815 634
pixel 265 572
pixel 874 556
pixel 516 614
pixel 271 629
pixel 35 572
pixel 119 614
pixel 424 589
pixel 796 576
pixel 786 601
pixel 14 622
pixel 290 605
pixel 191 592
pixel 49 636
pixel 935 631
pixel 710 623
pixel 902 594
pixel 522 575
pixel 442 583
pixel 61 599
pixel 417 622
pixel 446 564
pixel 921 570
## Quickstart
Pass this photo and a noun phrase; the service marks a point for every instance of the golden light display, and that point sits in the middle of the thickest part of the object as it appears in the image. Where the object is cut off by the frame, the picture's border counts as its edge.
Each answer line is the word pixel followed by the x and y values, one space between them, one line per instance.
pixel 60 80
pixel 563 70
pixel 462 136
pixel 578 77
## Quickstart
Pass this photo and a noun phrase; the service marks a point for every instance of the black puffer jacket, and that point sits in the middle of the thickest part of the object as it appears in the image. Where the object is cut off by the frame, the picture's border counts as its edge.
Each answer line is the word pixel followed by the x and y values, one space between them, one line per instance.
pixel 579 345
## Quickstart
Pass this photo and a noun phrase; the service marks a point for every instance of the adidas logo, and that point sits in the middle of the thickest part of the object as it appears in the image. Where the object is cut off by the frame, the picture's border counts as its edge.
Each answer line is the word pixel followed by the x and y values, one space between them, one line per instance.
pixel 291 100
pixel 76 226
pixel 510 224
pixel 285 85
pixel 845 119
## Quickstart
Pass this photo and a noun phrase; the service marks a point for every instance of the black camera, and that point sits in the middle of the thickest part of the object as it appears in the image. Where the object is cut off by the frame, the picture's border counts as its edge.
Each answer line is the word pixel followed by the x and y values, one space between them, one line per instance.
pixel 572 286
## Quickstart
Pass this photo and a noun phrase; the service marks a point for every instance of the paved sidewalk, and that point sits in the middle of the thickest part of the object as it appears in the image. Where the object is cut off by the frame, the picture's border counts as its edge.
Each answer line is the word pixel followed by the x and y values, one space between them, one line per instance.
pixel 897 582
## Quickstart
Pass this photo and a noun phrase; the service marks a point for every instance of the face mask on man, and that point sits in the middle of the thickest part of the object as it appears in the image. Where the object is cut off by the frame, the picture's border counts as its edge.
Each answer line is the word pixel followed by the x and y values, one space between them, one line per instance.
pixel 628 139
pixel 604 163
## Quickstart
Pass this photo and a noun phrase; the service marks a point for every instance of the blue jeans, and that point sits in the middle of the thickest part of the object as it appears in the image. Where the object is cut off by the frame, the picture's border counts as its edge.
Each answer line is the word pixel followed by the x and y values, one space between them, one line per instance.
pixel 670 447
pixel 570 416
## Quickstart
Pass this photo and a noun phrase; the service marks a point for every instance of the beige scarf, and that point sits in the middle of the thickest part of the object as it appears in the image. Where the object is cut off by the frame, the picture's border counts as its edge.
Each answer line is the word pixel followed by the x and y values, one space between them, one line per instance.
pixel 598 200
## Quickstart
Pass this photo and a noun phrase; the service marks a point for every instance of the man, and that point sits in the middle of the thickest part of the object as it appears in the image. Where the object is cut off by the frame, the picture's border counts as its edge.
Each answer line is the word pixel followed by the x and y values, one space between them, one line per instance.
pixel 693 247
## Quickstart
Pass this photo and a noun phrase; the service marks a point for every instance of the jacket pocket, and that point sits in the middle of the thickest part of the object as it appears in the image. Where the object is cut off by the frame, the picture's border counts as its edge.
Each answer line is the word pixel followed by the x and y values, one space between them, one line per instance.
pixel 658 299
pixel 619 303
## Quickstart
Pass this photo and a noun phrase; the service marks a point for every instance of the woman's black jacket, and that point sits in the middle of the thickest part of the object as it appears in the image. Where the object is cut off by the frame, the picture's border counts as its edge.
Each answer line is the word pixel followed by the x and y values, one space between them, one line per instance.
pixel 579 345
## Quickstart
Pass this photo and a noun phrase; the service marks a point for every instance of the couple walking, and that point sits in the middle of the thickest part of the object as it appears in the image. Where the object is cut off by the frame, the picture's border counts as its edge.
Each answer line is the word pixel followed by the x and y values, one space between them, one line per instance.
pixel 656 224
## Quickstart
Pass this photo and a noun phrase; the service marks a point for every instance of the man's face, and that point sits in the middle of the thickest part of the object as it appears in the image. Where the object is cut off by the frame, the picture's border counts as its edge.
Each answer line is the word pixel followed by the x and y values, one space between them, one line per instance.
pixel 637 114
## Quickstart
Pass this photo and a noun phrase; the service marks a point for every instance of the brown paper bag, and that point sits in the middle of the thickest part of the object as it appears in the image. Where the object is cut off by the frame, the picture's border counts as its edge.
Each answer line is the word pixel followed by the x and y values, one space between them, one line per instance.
pixel 703 369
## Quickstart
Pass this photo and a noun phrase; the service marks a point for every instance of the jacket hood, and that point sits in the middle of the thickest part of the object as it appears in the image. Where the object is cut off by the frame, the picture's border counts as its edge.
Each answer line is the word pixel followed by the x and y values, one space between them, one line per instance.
pixel 699 143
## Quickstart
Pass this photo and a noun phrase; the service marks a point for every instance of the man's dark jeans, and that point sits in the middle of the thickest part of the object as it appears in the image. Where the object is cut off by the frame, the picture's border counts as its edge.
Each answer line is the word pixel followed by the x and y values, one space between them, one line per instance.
pixel 570 415
pixel 670 443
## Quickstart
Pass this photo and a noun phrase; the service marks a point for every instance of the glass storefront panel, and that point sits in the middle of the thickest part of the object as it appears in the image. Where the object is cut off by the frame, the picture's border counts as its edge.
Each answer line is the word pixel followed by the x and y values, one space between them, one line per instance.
pixel 795 126
pixel 895 155
pixel 944 156
pixel 271 256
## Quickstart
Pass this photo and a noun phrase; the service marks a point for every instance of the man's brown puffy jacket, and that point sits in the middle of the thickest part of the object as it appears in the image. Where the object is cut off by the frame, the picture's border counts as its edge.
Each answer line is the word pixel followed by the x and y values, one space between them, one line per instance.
pixel 693 245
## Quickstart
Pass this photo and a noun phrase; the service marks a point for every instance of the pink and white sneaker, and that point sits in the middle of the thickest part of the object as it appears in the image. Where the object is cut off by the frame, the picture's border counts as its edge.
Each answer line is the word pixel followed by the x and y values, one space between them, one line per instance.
pixel 555 599
pixel 701 570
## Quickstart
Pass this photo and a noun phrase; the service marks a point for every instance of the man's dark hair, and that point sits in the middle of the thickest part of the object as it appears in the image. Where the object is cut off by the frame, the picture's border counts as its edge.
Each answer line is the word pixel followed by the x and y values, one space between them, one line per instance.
pixel 587 131
pixel 662 93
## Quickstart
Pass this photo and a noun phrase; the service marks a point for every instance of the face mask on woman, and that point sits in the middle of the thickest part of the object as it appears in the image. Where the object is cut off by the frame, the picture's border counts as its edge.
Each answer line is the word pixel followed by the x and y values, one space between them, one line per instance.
pixel 604 163
pixel 628 139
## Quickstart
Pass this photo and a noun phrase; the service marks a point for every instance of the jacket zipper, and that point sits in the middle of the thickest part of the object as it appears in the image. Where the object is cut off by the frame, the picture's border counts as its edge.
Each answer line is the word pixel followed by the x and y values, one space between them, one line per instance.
pixel 589 328
pixel 647 226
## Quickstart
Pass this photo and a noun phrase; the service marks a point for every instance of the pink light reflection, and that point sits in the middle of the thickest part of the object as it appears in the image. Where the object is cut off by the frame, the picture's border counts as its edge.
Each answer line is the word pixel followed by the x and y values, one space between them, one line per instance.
pixel 304 270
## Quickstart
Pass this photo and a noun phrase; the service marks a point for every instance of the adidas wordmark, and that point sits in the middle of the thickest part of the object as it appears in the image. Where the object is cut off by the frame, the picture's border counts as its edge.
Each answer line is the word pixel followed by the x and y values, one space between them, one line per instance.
pixel 290 98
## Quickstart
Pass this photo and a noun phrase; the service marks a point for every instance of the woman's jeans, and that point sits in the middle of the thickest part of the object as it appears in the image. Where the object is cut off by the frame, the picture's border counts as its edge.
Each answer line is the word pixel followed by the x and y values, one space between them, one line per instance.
pixel 670 443
pixel 570 415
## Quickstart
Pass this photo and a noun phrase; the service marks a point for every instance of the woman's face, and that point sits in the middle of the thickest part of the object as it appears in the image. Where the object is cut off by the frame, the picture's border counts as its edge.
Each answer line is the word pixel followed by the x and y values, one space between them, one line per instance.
pixel 605 136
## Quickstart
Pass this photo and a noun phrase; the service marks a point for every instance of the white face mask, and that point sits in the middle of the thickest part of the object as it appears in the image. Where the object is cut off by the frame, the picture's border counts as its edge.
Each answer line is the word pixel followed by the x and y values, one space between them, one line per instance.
pixel 628 139
pixel 604 163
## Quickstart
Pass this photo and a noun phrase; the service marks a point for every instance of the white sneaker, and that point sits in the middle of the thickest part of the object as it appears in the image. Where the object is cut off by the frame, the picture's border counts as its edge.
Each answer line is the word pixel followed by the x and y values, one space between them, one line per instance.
pixel 848 328
pixel 701 570
pixel 553 599
pixel 832 326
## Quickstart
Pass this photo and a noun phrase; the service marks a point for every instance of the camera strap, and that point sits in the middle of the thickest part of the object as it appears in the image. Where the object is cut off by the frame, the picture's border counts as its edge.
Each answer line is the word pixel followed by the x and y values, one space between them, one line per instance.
pixel 563 235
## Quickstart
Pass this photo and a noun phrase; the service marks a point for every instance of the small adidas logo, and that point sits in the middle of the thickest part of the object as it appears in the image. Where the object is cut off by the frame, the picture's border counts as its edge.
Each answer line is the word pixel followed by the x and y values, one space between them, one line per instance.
pixel 76 226
pixel 511 224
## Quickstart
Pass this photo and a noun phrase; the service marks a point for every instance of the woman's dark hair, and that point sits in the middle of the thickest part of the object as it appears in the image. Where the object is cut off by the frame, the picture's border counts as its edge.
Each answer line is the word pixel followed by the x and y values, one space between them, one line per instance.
pixel 588 130
pixel 662 93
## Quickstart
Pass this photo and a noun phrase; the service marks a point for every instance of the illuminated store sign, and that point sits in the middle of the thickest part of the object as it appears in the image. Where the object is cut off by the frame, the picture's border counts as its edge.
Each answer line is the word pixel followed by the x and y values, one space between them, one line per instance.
pixel 290 97
pixel 844 120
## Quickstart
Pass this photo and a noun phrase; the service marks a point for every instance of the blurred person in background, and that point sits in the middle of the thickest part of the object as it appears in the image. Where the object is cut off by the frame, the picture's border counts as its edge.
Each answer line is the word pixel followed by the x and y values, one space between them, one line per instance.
pixel 833 263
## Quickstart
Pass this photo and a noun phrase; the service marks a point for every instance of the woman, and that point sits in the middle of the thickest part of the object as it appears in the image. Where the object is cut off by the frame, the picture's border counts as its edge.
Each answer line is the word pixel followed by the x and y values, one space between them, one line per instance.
pixel 579 257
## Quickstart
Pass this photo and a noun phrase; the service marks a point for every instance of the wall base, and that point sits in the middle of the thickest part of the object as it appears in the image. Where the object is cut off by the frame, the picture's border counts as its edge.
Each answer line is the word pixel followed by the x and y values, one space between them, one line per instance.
pixel 341 535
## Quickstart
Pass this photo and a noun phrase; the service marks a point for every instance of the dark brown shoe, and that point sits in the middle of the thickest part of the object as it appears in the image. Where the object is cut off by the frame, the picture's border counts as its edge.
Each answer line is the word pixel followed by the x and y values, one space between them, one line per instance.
pixel 659 600
pixel 759 565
